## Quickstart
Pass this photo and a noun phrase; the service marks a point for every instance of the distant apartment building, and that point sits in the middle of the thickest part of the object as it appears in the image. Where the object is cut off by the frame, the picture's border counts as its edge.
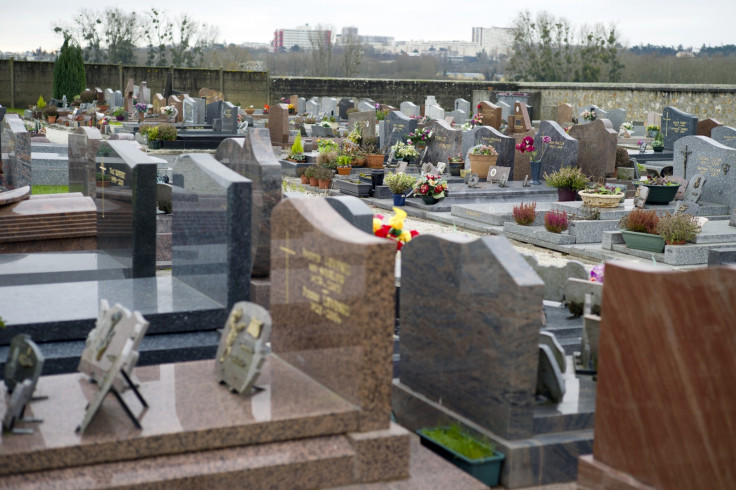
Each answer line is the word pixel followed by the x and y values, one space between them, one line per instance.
pixel 302 36
pixel 496 41
pixel 377 42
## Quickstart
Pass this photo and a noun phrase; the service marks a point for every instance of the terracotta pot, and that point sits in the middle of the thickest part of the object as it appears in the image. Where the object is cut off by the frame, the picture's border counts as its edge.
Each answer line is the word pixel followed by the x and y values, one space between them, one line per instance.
pixel 479 164
pixel 324 184
pixel 344 170
pixel 313 182
pixel 52 119
pixel 359 162
pixel 374 160
pixel 305 179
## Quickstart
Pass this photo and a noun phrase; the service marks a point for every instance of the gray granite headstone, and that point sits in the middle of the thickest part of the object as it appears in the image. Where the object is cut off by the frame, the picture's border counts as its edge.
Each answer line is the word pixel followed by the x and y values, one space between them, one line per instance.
pixel 434 112
pixel 189 109
pixel 506 110
pixel 617 118
pixel 84 144
pixel 118 99
pixel 366 120
pixel 562 151
pixel 253 158
pixel 492 324
pixel 463 105
pixel 354 210
pixel 725 135
pixel 409 109
pixel 243 346
pixel 397 127
pixel 446 142
pixel 301 105
pixel 16 152
pixel 677 124
pixel 343 105
pixel 312 106
pixel 555 277
pixel 109 97
pixel 365 106
pixel 714 161
pixel 486 135
pixel 458 115
pixel 328 105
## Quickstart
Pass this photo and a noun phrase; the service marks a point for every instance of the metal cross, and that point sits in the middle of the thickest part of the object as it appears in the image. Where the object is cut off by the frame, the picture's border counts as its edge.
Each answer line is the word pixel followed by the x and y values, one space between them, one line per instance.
pixel 103 168
pixel 685 153
pixel 665 126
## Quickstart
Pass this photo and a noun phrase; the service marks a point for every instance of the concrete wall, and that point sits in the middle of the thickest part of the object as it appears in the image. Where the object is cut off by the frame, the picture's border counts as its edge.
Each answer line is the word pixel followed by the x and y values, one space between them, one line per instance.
pixel 32 78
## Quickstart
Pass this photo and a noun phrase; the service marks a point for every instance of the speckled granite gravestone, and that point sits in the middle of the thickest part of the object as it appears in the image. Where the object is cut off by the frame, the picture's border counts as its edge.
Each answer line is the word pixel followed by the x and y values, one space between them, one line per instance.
pixel 278 124
pixel 446 142
pixel 397 127
pixel 486 135
pixel 714 161
pixel 447 353
pixel 617 118
pixel 562 151
pixel 209 242
pixel 725 135
pixel 323 270
pixel 491 114
pixel 677 124
pixel 409 109
pixel 16 152
pixel 253 158
pixel 597 143
pixel 366 120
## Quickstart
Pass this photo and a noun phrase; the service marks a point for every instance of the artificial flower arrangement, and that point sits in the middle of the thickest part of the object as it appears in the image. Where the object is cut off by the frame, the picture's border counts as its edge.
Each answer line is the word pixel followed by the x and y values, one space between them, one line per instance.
pixel 605 190
pixel 356 134
pixel 456 158
pixel 404 151
pixel 527 146
pixel 477 119
pixel 290 107
pixel 628 126
pixel 598 272
pixel 168 110
pixel 266 108
pixel 653 127
pixel 483 150
pixel 143 108
pixel 103 122
pixel 588 115
pixel 420 136
pixel 430 185
pixel 422 119
pixel 394 230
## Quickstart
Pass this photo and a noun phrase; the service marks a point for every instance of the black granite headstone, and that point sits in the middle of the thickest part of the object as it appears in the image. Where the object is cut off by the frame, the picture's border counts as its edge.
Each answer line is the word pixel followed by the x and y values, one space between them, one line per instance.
pixel 214 111
pixel 343 105
pixel 210 230
pixel 229 118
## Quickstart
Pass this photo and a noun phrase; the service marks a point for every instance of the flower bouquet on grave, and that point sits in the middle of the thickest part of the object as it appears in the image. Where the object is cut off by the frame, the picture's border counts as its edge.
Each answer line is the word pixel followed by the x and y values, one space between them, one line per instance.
pixel 394 230
pixel 405 151
pixel 482 158
pixel 430 188
pixel 266 108
pixel 141 108
pixel 477 120
pixel 527 146
pixel 588 115
pixel 420 137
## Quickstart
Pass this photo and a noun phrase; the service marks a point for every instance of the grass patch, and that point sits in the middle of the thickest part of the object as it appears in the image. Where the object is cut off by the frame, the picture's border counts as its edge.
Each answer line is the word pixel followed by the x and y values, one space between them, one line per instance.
pixel 15 110
pixel 457 440
pixel 49 189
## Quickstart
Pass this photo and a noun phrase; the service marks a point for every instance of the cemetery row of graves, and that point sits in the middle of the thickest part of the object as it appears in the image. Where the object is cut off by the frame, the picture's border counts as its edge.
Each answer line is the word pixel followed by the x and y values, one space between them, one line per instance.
pixel 292 347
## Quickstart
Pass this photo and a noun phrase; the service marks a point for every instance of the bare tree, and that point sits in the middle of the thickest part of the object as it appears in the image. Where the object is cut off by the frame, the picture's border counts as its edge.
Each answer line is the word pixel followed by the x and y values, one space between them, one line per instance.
pixel 352 55
pixel 321 42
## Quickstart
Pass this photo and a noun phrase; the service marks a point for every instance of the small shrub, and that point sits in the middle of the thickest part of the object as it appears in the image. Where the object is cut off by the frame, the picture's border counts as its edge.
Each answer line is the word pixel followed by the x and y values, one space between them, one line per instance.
pixel 166 132
pixel 40 104
pixel 525 214
pixel 310 171
pixel 556 221
pixel 678 228
pixel 381 115
pixel 144 129
pixel 622 158
pixel 328 158
pixel 301 171
pixel 322 172
pixel 297 148
pixel 50 110
pixel 640 220
pixel 87 96
pixel 399 183
pixel 120 111
pixel 568 177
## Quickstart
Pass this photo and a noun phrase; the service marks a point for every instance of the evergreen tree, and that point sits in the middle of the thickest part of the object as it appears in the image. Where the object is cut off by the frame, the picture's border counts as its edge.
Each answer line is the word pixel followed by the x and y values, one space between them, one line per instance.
pixel 69 75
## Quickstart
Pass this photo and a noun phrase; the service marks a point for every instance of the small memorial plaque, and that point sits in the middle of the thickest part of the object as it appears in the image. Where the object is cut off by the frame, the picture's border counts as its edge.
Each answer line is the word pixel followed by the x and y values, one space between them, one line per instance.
pixel 503 180
pixel 429 169
pixel 526 182
pixel 640 198
pixel 687 207
pixel 16 405
pixel 473 180
pixel 105 342
pixel 495 173
pixel 441 168
pixel 242 347
pixel 24 362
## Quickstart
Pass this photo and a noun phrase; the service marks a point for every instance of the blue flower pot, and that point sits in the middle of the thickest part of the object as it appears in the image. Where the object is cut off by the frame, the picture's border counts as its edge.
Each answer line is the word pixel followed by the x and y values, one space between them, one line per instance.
pixel 399 200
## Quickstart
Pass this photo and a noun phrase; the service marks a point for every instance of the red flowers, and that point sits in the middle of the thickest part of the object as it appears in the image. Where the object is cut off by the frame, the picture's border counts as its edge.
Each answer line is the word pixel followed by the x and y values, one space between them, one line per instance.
pixel 527 144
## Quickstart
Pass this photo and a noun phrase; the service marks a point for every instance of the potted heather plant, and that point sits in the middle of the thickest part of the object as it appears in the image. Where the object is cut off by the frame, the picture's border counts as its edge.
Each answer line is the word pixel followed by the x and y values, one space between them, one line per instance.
pixel 399 183
pixel 50 112
pixel 525 214
pixel 324 176
pixel 639 230
pixel 556 221
pixel 476 457
pixel 310 172
pixel 482 158
pixel 568 181
pixel 678 229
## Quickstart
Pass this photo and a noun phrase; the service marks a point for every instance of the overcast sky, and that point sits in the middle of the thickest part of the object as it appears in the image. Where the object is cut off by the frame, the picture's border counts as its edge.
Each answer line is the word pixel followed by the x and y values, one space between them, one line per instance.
pixel 26 26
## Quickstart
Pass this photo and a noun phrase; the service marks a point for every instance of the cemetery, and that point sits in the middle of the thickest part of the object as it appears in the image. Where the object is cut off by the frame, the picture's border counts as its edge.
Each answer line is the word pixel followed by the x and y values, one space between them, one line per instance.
pixel 226 274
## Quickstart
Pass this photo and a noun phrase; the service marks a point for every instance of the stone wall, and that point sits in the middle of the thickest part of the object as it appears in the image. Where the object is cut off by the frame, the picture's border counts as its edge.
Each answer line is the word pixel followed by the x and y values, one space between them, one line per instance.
pixel 33 78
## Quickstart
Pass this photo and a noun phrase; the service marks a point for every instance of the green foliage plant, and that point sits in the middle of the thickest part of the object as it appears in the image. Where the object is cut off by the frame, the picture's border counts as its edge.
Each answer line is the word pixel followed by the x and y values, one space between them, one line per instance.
pixel 322 173
pixel 297 148
pixel 399 183
pixel 69 74
pixel 40 104
pixel 567 177
pixel 310 171
pixel 344 160
pixel 461 442
pixel 167 132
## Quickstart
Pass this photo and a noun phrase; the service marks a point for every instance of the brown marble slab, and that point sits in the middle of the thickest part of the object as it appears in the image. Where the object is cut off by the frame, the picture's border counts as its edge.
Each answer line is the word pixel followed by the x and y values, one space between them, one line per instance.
pixel 15 195
pixel 189 411
pixel 666 407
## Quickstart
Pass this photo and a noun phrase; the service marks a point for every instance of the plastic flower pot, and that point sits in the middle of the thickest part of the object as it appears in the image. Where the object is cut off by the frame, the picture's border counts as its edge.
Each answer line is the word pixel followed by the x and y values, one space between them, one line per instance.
pixel 660 194
pixel 430 200
pixel 399 199
pixel 566 194
pixel 643 241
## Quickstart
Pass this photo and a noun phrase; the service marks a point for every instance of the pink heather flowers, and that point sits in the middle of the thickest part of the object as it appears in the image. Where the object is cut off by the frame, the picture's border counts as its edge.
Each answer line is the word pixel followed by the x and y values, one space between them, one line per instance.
pixel 555 221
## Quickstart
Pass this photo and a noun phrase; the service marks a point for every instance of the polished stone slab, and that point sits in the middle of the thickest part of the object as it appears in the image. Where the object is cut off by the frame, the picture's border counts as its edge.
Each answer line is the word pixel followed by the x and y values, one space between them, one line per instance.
pixel 664 410
pixel 290 406
pixel 52 267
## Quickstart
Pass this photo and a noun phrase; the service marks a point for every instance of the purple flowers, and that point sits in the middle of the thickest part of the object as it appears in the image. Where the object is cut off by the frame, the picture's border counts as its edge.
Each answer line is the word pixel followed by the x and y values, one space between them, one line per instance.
pixel 597 273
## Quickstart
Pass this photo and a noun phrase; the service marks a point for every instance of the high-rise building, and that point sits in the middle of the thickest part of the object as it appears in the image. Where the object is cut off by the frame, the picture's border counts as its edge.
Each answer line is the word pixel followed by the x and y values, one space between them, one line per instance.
pixel 496 41
pixel 301 36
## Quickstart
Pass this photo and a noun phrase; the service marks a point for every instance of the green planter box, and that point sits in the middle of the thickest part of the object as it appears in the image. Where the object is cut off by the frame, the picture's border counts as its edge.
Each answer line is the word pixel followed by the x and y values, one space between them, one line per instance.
pixel 661 194
pixel 643 241
pixel 487 470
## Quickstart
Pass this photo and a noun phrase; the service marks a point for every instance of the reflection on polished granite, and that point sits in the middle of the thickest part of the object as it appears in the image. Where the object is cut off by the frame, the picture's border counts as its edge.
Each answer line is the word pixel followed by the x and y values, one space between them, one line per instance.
pixel 188 411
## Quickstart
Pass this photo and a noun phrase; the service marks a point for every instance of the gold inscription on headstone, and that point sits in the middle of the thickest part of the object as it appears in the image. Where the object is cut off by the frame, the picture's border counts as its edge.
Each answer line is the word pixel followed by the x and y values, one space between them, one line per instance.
pixel 709 166
pixel 329 275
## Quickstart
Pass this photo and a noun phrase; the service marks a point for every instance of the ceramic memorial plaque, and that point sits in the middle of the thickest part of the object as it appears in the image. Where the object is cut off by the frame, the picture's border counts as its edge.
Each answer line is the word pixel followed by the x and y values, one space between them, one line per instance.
pixel 473 180
pixel 640 198
pixel 526 182
pixel 496 174
pixel 687 207
pixel 104 343
pixel 242 347
pixel 24 362
pixel 428 168
pixel 694 188
pixel 16 405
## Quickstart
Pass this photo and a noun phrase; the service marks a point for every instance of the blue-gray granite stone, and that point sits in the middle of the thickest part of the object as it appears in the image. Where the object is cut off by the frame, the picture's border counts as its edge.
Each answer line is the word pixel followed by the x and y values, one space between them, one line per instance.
pixel 562 151
pixel 712 160
pixel 355 211
pixel 724 135
pixel 16 152
pixel 677 124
